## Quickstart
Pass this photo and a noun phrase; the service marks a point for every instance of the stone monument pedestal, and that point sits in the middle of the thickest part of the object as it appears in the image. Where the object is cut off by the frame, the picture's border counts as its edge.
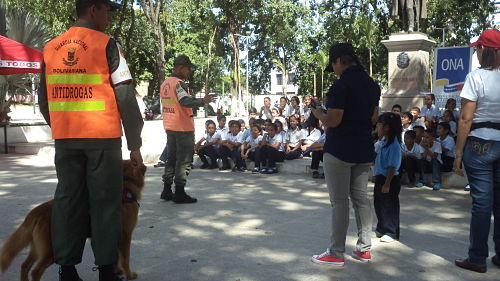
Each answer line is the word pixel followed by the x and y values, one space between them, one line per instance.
pixel 409 69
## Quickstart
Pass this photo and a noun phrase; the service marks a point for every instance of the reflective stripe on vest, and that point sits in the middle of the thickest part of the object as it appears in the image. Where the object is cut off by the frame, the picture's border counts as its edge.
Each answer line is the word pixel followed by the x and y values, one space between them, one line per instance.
pixel 175 116
pixel 82 102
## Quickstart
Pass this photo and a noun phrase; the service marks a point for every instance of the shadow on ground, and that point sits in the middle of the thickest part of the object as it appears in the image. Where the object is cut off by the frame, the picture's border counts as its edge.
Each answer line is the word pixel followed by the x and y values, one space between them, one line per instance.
pixel 256 227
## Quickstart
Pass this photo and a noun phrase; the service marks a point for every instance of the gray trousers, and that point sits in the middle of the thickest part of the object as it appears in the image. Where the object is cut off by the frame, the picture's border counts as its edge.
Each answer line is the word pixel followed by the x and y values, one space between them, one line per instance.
pixel 346 180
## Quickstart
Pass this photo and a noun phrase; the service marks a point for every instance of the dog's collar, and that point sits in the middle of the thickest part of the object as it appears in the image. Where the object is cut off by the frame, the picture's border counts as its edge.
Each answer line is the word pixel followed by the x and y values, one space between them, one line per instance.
pixel 129 197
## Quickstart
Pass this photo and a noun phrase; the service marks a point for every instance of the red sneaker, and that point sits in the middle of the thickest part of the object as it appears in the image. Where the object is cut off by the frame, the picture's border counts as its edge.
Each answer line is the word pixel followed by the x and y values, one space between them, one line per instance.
pixel 362 256
pixel 327 258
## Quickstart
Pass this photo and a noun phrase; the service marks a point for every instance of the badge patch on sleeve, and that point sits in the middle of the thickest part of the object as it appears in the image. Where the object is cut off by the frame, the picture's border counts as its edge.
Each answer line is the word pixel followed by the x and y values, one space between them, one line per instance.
pixel 122 73
pixel 181 92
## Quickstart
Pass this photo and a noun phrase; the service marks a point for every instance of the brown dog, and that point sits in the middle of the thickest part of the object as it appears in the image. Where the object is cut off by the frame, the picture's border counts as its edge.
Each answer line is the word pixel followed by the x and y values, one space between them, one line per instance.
pixel 35 231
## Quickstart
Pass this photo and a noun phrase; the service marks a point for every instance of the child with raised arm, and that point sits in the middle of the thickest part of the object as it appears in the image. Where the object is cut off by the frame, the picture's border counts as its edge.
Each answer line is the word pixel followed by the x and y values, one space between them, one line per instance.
pixel 251 147
pixel 208 145
pixel 293 140
pixel 387 183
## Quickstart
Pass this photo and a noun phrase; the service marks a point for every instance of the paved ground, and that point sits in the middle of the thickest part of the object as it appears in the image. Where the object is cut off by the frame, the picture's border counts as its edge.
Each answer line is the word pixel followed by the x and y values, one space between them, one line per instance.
pixel 256 227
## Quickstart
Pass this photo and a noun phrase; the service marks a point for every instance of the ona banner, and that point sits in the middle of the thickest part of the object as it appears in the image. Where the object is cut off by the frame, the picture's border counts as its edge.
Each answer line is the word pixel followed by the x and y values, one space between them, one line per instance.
pixel 452 64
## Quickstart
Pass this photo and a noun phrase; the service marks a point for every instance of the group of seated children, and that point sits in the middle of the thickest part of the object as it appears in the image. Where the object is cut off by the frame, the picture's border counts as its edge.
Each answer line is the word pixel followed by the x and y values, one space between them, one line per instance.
pixel 264 142
pixel 427 150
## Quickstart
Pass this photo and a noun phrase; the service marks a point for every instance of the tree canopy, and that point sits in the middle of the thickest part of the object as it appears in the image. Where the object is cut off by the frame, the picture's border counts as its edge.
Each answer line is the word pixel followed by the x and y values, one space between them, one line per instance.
pixel 285 35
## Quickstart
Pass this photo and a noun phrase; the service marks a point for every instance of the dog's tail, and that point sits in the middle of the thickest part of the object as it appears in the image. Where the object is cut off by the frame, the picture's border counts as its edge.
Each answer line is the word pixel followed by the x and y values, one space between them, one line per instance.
pixel 20 239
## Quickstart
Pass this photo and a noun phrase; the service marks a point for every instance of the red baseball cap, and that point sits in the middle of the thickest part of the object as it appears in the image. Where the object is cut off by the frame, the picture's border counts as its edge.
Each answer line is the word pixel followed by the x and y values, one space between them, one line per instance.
pixel 488 38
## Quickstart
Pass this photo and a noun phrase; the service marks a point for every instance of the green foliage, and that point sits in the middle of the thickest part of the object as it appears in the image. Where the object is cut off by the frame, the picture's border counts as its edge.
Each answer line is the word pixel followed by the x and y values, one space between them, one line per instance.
pixel 295 34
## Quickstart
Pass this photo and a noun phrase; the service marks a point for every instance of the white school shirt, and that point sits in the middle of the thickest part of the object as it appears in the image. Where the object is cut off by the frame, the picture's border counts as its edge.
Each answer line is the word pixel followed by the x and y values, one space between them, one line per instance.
pixel 312 137
pixel 293 111
pixel 210 138
pixel 293 137
pixel 305 111
pixel 416 150
pixel 453 127
pixel 266 113
pixel 283 121
pixel 286 110
pixel 246 133
pixel 253 142
pixel 436 148
pixel 277 138
pixel 430 113
pixel 222 132
pixel 230 137
pixel 322 139
pixel 404 131
pixel 418 122
pixel 448 143
pixel 482 86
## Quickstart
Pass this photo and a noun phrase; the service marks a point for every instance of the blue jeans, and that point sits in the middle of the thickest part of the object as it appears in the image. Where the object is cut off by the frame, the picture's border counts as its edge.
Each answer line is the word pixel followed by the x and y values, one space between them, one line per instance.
pixel 482 164
pixel 164 154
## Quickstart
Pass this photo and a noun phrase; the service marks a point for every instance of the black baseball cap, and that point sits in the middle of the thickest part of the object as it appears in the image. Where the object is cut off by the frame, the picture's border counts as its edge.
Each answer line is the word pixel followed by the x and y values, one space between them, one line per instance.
pixel 184 61
pixel 115 4
pixel 338 50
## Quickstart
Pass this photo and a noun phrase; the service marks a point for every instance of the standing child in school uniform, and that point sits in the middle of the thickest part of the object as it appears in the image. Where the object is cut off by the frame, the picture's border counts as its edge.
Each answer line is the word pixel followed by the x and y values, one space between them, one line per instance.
pixel 411 153
pixel 431 159
pixel 208 145
pixel 447 146
pixel 293 139
pixel 272 150
pixel 387 183
pixel 250 149
pixel 231 146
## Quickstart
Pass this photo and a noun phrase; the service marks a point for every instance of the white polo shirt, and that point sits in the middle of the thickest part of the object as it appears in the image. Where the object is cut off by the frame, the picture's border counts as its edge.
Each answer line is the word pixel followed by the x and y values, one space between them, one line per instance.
pixel 483 86
pixel 293 137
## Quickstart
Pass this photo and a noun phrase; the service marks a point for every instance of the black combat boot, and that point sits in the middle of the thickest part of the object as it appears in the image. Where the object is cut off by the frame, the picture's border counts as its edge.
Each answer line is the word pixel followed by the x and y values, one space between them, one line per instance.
pixel 180 196
pixel 68 273
pixel 107 273
pixel 166 194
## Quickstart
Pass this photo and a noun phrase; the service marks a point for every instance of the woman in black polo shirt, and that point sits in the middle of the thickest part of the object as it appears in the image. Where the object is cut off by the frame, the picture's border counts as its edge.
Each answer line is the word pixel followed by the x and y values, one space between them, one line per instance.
pixel 352 112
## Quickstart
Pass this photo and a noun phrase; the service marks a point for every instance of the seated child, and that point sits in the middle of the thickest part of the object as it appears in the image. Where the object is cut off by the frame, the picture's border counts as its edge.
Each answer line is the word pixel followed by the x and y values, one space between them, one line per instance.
pixel 317 156
pixel 251 147
pixel 231 146
pixel 419 132
pixel 449 118
pixel 417 120
pixel 208 145
pixel 447 146
pixel 280 131
pixel 271 151
pixel 431 159
pixel 222 129
pixel 406 122
pixel 310 135
pixel 411 153
pixel 244 129
pixel 293 140
pixel 276 112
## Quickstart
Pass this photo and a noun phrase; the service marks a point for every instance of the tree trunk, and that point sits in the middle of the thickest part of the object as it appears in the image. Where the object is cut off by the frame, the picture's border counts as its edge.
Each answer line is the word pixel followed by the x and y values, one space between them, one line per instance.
pixel 152 9
pixel 370 61
pixel 3 24
pixel 207 88
pixel 235 86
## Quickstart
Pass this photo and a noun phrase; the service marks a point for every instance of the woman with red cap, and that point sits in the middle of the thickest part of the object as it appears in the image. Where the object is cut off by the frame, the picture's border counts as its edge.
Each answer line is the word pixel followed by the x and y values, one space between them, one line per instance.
pixel 478 147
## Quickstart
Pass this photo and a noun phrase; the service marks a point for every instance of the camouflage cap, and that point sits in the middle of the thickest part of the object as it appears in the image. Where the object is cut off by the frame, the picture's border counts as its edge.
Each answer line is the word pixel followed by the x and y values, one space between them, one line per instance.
pixel 115 4
pixel 184 61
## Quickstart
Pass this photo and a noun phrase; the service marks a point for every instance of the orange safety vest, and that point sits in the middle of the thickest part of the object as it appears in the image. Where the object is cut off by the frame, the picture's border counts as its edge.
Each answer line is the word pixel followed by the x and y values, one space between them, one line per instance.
pixel 82 102
pixel 175 116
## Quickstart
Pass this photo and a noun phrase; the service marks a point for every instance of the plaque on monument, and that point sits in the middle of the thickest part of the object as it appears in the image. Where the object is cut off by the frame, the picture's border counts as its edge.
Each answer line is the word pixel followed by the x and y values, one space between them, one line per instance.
pixel 409 69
